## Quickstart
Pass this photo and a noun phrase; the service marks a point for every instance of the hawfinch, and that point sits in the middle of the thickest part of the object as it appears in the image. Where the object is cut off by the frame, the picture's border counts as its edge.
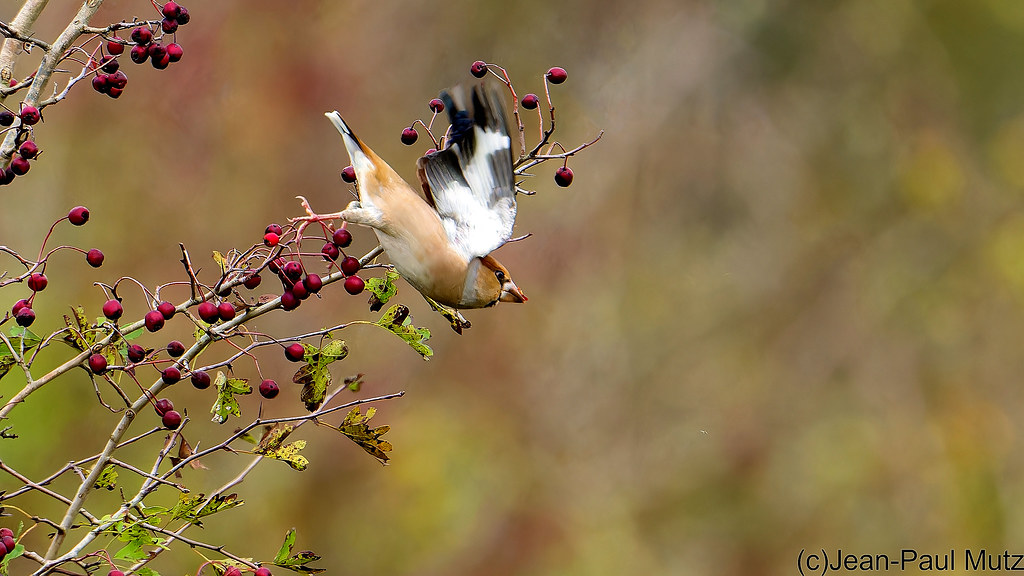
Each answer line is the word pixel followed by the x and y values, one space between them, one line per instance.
pixel 441 240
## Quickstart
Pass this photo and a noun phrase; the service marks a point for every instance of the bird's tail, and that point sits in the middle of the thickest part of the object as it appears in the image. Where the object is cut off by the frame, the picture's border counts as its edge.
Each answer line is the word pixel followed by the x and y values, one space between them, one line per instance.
pixel 357 152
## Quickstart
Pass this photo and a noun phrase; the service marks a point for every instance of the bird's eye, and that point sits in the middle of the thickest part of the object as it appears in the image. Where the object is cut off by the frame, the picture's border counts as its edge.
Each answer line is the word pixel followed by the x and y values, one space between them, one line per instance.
pixel 500 275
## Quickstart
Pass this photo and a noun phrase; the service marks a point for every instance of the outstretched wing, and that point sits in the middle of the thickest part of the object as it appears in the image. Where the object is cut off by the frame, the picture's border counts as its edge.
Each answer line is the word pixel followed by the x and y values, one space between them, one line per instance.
pixel 470 183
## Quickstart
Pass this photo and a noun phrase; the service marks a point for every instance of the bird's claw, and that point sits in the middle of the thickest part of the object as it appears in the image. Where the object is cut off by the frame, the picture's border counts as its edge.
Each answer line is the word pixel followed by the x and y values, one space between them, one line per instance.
pixel 309 218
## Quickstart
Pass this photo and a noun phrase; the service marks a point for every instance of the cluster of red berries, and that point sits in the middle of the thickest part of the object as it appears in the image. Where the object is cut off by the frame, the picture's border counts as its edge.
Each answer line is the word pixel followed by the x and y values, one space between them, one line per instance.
pixel 27 150
pixel 7 542
pixel 146 47
pixel 342 239
pixel 170 417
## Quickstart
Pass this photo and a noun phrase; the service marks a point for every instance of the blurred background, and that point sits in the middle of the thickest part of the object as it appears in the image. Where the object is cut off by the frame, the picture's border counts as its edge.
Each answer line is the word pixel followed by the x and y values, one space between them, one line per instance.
pixel 777 308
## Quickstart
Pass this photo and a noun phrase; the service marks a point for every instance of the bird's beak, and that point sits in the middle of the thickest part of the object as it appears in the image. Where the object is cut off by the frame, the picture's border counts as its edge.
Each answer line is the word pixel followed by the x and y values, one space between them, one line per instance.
pixel 511 293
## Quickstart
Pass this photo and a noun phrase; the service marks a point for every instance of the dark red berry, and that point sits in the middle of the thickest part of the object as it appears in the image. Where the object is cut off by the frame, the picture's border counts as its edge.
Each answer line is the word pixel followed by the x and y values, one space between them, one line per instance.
pixel 275 265
pixel 141 35
pixel 114 47
pixel 139 54
pixel 30 115
pixel 262 571
pixel 208 312
pixel 530 101
pixel 5 532
pixel 94 257
pixel 7 541
pixel 117 80
pixel 98 363
pixel 409 136
pixel 163 406
pixel 162 62
pixel 201 380
pixel 342 238
pixel 6 118
pixel 275 228
pixel 175 349
pixel 79 215
pixel 6 176
pixel 268 389
pixel 25 317
pixel 37 282
pixel 109 64
pixel 136 353
pixel 563 176
pixel 478 69
pixel 171 420
pixel 226 311
pixel 101 84
pixel 170 375
pixel 112 309
pixel 115 572
pixel 330 251
pixel 293 270
pixel 557 75
pixel 232 571
pixel 174 52
pixel 270 239
pixel 295 352
pixel 313 283
pixel 154 320
pixel 28 149
pixel 3 549
pixel 19 166
pixel 436 105
pixel 348 174
pixel 252 281
pixel 299 290
pixel 168 25
pixel 350 265
pixel 23 303
pixel 171 10
pixel 167 309
pixel 115 93
pixel 183 17
pixel 354 285
pixel 289 301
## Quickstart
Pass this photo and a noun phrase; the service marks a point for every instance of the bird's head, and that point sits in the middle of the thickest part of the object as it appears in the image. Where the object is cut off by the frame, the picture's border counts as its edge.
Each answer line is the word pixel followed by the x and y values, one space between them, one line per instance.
pixel 489 282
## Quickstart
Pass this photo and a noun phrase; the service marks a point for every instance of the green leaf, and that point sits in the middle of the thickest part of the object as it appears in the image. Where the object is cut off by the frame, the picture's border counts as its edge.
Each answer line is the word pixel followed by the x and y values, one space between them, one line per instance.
pixel 286 547
pixel 6 362
pixel 226 404
pixel 107 478
pixel 289 454
pixel 383 289
pixel 186 506
pixel 354 383
pixel 355 427
pixel 19 549
pixel 21 338
pixel 219 504
pixel 132 336
pixel 221 261
pixel 314 375
pixel 297 562
pixel 398 321
pixel 144 571
pixel 131 552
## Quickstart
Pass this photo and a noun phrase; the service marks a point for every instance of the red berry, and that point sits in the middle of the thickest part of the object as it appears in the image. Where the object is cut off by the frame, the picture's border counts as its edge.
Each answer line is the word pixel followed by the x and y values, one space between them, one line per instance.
pixel 270 239
pixel 23 303
pixel 168 25
pixel 136 353
pixel 30 115
pixel 299 290
pixel 289 301
pixel 252 281
pixel 109 64
pixel 141 35
pixel 139 54
pixel 5 532
pixel 268 389
pixel 114 47
pixel 167 309
pixel 478 69
pixel 115 572
pixel 262 571
pixel 295 352
pixel 171 420
pixel 330 251
pixel 6 176
pixel 232 571
pixel 28 149
pixel 101 84
pixel 25 317
pixel 170 375
pixel 112 309
pixel 3 549
pixel 201 380
pixel 208 312
pixel 37 282
pixel 79 215
pixel 8 543
pixel 354 285
pixel 350 265
pixel 530 101
pixel 174 52
pixel 436 105
pixel 226 311
pixel 162 62
pixel 97 363
pixel 94 257
pixel 154 320
pixel 275 228
pixel 557 75
pixel 163 406
pixel 117 80
pixel 115 93
pixel 175 349
pixel 409 136
pixel 293 270
pixel 342 238
pixel 563 176
pixel 275 265
pixel 19 166
pixel 313 283
pixel 171 10
pixel 348 174
pixel 6 118
pixel 183 17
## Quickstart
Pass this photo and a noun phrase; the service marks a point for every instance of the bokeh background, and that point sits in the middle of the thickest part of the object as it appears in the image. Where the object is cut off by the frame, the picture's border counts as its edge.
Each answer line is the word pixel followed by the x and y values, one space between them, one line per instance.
pixel 781 306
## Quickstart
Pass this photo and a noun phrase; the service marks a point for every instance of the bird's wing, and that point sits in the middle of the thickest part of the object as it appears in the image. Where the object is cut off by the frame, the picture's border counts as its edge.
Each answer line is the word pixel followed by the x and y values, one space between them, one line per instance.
pixel 470 182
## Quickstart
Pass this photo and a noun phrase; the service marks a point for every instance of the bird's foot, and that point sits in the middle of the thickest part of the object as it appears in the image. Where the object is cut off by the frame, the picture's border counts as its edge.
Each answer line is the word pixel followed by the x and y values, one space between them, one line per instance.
pixel 302 222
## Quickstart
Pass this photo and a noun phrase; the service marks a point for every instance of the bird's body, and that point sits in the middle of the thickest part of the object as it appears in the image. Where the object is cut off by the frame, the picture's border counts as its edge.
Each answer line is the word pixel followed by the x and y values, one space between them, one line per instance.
pixel 440 241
